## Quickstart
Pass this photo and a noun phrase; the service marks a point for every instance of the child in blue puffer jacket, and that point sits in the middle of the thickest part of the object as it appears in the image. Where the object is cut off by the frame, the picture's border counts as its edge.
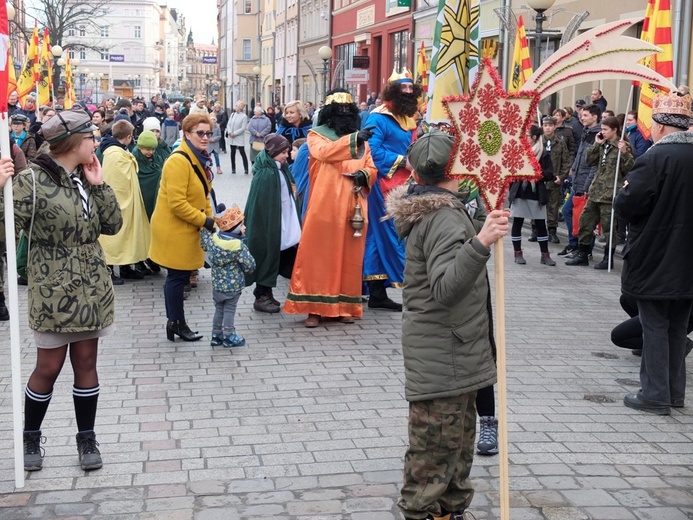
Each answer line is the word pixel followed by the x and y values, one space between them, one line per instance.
pixel 230 260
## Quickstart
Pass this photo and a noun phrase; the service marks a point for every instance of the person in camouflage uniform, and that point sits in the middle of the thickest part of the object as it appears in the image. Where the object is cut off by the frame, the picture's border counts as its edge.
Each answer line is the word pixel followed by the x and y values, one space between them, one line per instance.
pixel 604 155
pixel 446 329
pixel 560 158
pixel 63 205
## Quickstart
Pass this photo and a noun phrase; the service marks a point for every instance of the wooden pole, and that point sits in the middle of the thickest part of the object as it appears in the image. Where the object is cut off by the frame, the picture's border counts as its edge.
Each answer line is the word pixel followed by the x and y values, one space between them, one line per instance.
pixel 613 196
pixel 499 283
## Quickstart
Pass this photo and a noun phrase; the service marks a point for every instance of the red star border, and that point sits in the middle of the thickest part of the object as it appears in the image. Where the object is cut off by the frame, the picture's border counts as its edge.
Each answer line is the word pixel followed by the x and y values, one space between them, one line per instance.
pixel 490 127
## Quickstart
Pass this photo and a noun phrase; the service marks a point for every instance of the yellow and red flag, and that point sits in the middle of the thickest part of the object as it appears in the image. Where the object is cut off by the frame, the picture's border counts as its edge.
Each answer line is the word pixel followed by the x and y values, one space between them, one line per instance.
pixel 656 29
pixel 11 75
pixel 521 64
pixel 70 98
pixel 29 76
pixel 422 70
pixel 45 71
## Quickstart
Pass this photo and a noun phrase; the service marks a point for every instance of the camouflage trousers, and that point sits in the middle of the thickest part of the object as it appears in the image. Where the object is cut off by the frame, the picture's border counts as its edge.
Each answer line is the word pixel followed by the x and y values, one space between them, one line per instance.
pixel 554 205
pixel 439 458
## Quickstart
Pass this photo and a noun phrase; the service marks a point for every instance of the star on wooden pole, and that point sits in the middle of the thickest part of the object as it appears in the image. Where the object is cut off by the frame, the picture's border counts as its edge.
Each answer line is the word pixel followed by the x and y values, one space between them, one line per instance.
pixel 490 126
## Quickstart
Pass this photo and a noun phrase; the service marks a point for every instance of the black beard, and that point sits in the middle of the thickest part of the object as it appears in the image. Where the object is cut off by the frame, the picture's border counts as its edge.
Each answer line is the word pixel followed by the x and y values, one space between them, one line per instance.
pixel 405 104
pixel 345 125
pixel 343 118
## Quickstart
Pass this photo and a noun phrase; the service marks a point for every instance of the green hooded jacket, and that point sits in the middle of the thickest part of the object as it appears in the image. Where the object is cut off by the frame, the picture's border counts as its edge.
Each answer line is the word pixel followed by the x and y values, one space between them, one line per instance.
pixel 263 219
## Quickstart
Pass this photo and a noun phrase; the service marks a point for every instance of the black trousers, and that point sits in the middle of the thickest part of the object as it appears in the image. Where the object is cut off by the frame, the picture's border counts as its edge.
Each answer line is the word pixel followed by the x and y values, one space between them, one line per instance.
pixel 173 293
pixel 222 140
pixel 286 266
pixel 241 149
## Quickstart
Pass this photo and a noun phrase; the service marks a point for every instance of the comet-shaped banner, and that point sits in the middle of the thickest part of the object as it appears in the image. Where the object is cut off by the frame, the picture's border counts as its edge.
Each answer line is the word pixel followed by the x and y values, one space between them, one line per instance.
pixel 490 124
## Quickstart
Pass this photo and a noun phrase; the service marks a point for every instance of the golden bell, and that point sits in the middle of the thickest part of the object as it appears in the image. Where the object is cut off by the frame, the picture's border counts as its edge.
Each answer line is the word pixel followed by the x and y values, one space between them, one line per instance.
pixel 357 221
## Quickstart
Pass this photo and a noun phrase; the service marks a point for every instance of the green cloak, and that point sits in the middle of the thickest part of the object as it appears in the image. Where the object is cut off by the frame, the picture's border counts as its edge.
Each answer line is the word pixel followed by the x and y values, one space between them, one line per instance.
pixel 148 176
pixel 263 219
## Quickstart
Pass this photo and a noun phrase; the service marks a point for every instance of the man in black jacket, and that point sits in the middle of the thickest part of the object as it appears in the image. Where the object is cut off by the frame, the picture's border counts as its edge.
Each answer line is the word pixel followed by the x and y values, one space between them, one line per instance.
pixel 222 121
pixel 656 201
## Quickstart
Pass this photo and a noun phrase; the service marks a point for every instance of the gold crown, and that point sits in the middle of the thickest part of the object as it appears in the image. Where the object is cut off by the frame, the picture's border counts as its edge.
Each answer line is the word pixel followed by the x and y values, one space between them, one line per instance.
pixel 230 219
pixel 405 75
pixel 672 103
pixel 339 97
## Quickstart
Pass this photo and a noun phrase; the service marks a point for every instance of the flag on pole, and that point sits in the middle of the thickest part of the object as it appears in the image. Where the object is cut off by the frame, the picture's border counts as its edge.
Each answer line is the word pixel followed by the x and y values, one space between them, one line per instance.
pixel 455 59
pixel 11 75
pixel 656 29
pixel 5 60
pixel 70 98
pixel 30 74
pixel 422 70
pixel 45 70
pixel 521 64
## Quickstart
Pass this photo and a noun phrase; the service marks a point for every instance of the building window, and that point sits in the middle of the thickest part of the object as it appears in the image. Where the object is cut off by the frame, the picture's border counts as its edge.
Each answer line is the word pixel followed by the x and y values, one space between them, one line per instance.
pixel 398 44
pixel 138 31
pixel 82 54
pixel 71 54
pixel 104 54
pixel 346 53
pixel 82 31
pixel 247 51
pixel 247 6
pixel 71 31
pixel 104 31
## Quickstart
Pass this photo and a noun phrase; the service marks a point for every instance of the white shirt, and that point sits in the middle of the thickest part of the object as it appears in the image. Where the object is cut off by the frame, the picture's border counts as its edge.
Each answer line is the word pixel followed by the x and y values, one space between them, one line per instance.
pixel 291 227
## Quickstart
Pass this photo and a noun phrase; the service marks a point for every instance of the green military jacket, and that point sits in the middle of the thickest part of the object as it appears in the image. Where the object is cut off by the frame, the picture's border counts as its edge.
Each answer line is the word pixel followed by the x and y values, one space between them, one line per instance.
pixel 604 157
pixel 70 286
pixel 560 158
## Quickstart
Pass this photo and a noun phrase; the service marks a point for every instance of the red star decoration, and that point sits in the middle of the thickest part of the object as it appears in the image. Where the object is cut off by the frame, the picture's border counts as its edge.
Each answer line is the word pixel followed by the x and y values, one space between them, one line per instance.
pixel 490 127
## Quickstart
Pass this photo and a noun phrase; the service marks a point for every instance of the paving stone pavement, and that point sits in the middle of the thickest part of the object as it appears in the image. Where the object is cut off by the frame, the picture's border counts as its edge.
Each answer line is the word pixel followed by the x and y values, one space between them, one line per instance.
pixel 312 424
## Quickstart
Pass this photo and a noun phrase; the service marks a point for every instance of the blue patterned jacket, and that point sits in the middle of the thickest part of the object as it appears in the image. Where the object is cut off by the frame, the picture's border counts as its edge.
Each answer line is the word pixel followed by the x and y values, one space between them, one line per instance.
pixel 230 259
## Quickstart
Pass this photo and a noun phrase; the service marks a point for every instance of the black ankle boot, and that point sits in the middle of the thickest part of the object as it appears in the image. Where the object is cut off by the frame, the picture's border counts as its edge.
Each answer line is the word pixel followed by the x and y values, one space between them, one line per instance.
pixel 33 456
pixel 4 313
pixel 181 329
pixel 378 297
pixel 581 257
pixel 604 264
pixel 89 454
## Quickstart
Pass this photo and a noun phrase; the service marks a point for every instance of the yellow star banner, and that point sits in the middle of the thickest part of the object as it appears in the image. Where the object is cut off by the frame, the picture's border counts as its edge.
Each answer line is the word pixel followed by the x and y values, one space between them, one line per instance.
pixel 455 60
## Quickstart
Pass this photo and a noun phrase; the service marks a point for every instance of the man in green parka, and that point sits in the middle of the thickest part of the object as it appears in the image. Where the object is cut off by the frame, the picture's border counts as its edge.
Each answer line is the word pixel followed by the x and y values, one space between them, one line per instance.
pixel 273 226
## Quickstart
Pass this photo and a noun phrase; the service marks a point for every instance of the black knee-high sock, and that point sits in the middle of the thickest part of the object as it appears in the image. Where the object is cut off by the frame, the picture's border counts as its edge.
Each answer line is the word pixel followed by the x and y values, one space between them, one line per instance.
pixel 485 402
pixel 86 400
pixel 542 236
pixel 516 233
pixel 35 408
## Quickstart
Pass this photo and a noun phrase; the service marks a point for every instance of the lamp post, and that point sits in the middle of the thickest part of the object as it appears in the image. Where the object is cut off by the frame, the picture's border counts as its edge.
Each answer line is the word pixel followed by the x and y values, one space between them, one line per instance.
pixel 208 83
pixel 540 6
pixel 224 80
pixel 98 87
pixel 82 80
pixel 325 54
pixel 57 52
pixel 257 70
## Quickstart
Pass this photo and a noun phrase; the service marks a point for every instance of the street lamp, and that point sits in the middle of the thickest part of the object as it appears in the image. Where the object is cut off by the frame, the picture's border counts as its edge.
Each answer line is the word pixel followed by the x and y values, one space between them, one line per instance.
pixel 540 6
pixel 325 54
pixel 10 11
pixel 257 70
pixel 57 52
pixel 223 86
pixel 208 82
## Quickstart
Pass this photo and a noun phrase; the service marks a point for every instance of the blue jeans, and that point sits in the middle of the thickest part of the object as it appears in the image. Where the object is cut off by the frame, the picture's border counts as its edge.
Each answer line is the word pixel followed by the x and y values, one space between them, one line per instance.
pixel 214 154
pixel 225 311
pixel 568 219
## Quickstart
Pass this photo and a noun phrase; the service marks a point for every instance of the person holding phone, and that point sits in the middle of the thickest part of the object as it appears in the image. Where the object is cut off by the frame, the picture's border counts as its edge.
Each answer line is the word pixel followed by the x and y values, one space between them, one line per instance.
pixel 603 155
pixel 63 205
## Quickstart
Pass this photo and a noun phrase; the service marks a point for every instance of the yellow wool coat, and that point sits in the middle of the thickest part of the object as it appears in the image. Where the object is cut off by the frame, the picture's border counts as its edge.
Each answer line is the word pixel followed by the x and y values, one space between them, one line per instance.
pixel 131 244
pixel 180 213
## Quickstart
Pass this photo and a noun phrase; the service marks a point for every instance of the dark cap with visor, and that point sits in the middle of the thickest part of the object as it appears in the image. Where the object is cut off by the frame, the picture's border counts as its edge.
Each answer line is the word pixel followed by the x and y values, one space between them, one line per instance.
pixel 66 123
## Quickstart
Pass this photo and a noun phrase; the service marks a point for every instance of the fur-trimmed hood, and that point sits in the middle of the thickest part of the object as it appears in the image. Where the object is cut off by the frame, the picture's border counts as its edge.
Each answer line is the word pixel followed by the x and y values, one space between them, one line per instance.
pixel 408 205
pixel 682 137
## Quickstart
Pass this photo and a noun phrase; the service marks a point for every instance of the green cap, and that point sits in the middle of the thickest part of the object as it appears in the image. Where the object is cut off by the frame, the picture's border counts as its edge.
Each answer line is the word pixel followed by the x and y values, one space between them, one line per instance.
pixel 430 154
pixel 147 139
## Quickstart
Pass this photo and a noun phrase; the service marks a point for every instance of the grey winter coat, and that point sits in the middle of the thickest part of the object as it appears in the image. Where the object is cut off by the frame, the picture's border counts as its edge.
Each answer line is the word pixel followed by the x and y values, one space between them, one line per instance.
pixel 238 126
pixel 213 145
pixel 259 125
pixel 446 322
pixel 583 173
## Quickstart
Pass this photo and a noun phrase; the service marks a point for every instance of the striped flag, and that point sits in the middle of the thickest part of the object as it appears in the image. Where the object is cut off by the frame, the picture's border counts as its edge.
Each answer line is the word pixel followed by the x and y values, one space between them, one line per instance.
pixel 521 64
pixel 70 98
pixel 45 70
pixel 30 75
pixel 422 70
pixel 656 29
pixel 455 58
pixel 11 75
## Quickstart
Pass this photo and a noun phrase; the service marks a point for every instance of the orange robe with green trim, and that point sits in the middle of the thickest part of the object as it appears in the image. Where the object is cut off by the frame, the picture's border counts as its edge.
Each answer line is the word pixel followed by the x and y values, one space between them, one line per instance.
pixel 328 271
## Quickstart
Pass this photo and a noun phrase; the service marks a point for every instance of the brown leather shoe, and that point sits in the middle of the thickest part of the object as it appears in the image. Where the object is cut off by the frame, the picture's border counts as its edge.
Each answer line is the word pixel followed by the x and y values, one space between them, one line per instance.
pixel 264 304
pixel 312 321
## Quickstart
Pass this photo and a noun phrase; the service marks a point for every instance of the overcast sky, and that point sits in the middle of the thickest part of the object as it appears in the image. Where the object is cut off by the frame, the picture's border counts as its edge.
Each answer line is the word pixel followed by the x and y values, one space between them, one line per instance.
pixel 200 16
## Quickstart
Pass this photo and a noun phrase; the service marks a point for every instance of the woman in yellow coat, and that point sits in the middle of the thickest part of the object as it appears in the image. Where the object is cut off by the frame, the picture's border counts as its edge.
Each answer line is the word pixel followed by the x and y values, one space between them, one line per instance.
pixel 182 210
pixel 131 244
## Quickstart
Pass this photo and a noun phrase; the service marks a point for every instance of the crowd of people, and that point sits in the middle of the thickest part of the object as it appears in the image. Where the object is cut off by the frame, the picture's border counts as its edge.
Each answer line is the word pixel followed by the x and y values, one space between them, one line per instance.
pixel 345 201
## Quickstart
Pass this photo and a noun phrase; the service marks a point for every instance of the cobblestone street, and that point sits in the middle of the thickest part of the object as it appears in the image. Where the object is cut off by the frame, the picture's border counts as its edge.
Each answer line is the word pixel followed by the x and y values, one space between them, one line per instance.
pixel 312 423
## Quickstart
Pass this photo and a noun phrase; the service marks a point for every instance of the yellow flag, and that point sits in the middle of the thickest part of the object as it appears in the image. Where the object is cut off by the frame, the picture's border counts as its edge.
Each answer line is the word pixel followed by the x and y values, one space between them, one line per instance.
pixel 11 76
pixel 29 75
pixel 522 65
pixel 45 71
pixel 70 100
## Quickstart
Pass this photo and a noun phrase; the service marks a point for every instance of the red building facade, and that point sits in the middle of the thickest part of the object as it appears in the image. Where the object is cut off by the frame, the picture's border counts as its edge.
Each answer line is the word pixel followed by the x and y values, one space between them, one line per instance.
pixel 378 29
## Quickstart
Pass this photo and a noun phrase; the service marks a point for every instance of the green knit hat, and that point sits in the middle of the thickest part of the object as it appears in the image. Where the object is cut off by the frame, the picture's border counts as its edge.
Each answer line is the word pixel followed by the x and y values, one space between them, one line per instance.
pixel 430 153
pixel 147 139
